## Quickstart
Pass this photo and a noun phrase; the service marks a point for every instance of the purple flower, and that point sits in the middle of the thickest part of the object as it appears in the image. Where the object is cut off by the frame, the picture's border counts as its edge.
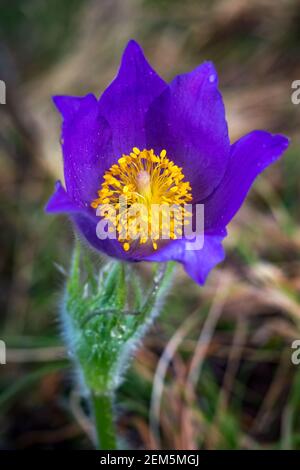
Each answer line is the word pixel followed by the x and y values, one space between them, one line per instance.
pixel 157 143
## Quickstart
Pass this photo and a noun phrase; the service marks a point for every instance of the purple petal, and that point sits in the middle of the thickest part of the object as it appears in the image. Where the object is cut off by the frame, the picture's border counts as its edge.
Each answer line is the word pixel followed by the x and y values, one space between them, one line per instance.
pixel 249 156
pixel 188 120
pixel 68 106
pixel 86 222
pixel 126 101
pixel 197 263
pixel 60 201
pixel 86 144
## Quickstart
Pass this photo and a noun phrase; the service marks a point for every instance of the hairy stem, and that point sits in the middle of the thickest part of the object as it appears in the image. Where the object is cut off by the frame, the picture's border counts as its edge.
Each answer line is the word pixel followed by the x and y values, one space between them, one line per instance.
pixel 104 421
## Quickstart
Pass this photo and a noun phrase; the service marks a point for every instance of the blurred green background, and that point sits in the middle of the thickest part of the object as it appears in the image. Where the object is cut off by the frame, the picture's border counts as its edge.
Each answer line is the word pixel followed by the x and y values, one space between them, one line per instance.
pixel 220 356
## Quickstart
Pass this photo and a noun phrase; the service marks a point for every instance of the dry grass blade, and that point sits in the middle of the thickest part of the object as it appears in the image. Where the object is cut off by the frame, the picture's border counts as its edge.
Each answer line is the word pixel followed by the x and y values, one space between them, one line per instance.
pixel 23 355
pixel 160 374
pixel 198 360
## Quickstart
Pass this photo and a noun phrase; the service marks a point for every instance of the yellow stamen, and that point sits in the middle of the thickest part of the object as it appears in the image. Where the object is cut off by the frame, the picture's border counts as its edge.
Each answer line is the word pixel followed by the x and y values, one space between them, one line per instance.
pixel 146 179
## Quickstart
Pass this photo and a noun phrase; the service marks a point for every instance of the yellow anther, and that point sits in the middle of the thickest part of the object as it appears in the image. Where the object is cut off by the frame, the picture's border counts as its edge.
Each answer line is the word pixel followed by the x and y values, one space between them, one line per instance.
pixel 122 160
pixel 142 177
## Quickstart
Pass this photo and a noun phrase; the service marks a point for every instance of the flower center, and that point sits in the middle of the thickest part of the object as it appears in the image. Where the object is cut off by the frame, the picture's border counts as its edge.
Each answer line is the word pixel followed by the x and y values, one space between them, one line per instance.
pixel 137 194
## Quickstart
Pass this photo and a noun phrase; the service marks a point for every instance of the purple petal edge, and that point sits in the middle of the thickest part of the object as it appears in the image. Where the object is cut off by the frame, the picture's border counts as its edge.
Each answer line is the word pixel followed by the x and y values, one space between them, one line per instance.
pixel 249 156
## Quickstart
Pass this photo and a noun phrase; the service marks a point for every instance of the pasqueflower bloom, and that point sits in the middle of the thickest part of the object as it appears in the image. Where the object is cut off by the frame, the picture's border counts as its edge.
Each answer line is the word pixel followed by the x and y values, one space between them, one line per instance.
pixel 157 143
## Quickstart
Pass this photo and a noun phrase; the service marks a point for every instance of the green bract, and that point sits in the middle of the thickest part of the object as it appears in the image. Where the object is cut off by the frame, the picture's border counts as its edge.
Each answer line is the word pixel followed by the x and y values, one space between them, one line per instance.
pixel 105 316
